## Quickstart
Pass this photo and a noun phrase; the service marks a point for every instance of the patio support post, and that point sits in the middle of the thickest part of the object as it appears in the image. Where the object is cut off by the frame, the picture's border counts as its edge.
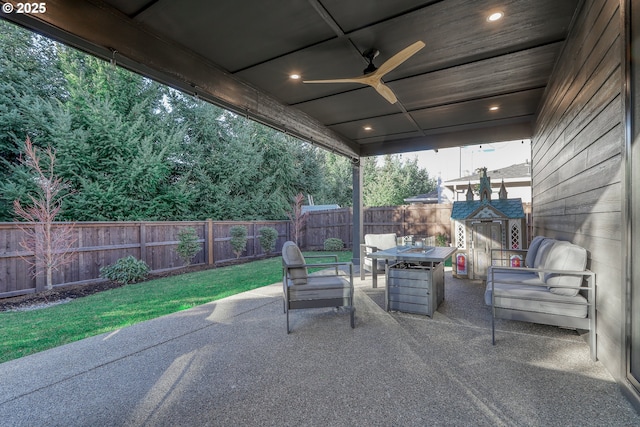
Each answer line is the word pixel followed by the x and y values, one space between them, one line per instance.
pixel 357 230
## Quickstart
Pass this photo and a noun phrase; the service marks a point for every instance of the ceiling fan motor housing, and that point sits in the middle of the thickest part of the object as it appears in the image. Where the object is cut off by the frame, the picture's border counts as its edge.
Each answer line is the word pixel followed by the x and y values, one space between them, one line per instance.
pixel 370 55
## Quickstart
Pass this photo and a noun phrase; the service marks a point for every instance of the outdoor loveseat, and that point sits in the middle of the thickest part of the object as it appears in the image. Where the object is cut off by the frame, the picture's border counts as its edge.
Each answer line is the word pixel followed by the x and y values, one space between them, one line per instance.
pixel 554 288
pixel 327 288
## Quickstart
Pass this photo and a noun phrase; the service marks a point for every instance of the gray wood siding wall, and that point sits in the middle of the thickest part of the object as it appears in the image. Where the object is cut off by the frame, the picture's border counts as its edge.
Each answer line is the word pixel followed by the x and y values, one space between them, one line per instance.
pixel 578 164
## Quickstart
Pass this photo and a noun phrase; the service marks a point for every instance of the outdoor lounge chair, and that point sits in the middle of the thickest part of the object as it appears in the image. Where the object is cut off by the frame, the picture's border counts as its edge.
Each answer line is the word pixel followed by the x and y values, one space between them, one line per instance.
pixel 373 243
pixel 323 289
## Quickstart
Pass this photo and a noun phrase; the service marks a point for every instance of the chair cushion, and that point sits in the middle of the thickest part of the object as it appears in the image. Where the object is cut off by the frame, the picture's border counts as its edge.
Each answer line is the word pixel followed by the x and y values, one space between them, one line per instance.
pixel 381 241
pixel 321 287
pixel 565 256
pixel 291 255
pixel 533 250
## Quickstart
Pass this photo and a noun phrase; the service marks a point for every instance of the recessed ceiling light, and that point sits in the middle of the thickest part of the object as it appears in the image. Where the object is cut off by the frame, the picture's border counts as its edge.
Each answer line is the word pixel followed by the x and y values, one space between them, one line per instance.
pixel 495 16
pixel 367 128
pixel 294 76
pixel 494 108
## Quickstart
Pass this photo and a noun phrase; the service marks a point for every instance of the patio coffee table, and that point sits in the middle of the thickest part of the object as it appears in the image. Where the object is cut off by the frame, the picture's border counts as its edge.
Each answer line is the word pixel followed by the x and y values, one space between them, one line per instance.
pixel 415 278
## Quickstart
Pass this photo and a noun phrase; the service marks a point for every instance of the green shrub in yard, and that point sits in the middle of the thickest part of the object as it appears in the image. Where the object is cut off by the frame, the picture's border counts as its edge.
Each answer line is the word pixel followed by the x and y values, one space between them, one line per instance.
pixel 333 244
pixel 126 270
pixel 189 245
pixel 267 238
pixel 441 239
pixel 238 239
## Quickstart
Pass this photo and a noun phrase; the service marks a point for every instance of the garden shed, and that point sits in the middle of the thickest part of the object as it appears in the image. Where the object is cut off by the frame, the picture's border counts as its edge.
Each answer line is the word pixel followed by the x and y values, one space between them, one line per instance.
pixel 479 226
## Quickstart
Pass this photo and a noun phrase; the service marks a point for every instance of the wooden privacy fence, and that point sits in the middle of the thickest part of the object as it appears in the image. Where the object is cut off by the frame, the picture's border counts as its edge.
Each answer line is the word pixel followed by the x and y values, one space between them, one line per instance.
pixel 419 220
pixel 99 244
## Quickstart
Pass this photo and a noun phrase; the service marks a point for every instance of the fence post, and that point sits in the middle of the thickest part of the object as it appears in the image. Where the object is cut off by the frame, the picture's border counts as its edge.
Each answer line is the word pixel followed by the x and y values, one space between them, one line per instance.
pixel 143 242
pixel 209 238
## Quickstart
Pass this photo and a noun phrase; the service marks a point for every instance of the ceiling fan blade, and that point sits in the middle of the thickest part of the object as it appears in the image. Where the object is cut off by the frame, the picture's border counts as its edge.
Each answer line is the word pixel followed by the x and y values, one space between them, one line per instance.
pixel 374 79
pixel 349 80
pixel 397 59
pixel 385 92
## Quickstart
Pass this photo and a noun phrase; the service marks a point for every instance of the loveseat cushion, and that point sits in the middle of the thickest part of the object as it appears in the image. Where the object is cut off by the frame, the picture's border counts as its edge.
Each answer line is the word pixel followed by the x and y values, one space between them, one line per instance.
pixel 530 259
pixel 536 299
pixel 291 255
pixel 565 256
pixel 542 254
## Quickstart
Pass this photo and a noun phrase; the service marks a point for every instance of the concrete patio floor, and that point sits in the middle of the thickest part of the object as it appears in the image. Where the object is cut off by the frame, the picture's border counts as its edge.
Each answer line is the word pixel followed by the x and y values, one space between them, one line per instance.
pixel 231 362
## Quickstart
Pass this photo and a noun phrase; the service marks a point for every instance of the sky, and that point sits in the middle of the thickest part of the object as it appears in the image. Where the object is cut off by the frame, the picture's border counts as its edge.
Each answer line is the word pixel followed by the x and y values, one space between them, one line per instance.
pixel 452 163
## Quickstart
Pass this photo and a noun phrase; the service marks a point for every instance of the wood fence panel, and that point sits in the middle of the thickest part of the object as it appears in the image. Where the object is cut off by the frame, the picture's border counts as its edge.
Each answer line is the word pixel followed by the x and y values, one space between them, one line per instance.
pixel 98 244
pixel 321 225
pixel 380 220
pixel 161 243
pixel 422 220
pixel 15 272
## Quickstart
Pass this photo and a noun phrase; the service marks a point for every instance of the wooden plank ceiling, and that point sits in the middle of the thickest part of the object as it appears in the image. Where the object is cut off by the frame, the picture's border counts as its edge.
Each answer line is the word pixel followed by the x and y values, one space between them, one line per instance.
pixel 240 54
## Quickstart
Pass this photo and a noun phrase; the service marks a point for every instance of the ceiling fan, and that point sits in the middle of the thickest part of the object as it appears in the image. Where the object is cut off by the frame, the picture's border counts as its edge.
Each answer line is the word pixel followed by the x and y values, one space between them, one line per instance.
pixel 373 75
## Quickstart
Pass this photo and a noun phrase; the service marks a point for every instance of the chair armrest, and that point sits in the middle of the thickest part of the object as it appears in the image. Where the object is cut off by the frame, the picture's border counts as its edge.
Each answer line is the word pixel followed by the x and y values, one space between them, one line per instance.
pixel 590 279
pixel 544 270
pixel 521 251
pixel 332 256
pixel 364 247
pixel 321 265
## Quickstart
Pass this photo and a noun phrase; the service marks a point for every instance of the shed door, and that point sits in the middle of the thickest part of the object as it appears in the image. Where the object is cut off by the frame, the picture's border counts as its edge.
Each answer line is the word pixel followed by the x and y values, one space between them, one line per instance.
pixel 486 236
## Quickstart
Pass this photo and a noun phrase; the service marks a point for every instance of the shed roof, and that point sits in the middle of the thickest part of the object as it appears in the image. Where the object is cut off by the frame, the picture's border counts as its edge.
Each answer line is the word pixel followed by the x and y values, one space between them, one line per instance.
pixel 509 208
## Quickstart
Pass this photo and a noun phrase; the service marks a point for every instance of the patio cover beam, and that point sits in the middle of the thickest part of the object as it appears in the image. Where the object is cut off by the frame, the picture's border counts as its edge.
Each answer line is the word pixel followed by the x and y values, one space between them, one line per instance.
pixel 505 132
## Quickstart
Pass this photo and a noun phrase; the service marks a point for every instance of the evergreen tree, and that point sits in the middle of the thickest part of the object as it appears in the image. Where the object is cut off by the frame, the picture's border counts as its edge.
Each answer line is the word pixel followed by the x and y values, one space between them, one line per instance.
pixel 110 146
pixel 393 181
pixel 336 181
pixel 30 78
pixel 132 149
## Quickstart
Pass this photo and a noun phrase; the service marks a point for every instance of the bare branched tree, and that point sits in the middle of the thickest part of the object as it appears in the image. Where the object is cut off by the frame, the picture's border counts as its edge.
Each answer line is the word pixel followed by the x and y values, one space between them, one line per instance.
pixel 297 218
pixel 51 244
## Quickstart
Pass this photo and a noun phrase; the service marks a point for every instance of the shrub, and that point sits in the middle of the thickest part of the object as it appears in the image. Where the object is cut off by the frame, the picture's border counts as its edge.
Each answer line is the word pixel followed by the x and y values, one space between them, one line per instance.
pixel 333 244
pixel 126 270
pixel 267 238
pixel 238 239
pixel 189 245
pixel 441 239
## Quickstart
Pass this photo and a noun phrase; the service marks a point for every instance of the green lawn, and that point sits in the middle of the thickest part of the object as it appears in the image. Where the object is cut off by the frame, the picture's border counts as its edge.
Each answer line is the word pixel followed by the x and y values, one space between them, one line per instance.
pixel 27 332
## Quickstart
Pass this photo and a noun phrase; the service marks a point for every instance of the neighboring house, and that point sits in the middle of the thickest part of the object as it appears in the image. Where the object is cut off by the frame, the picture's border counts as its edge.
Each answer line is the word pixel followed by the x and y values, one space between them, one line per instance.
pixel 439 195
pixel 308 208
pixel 431 197
pixel 516 178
